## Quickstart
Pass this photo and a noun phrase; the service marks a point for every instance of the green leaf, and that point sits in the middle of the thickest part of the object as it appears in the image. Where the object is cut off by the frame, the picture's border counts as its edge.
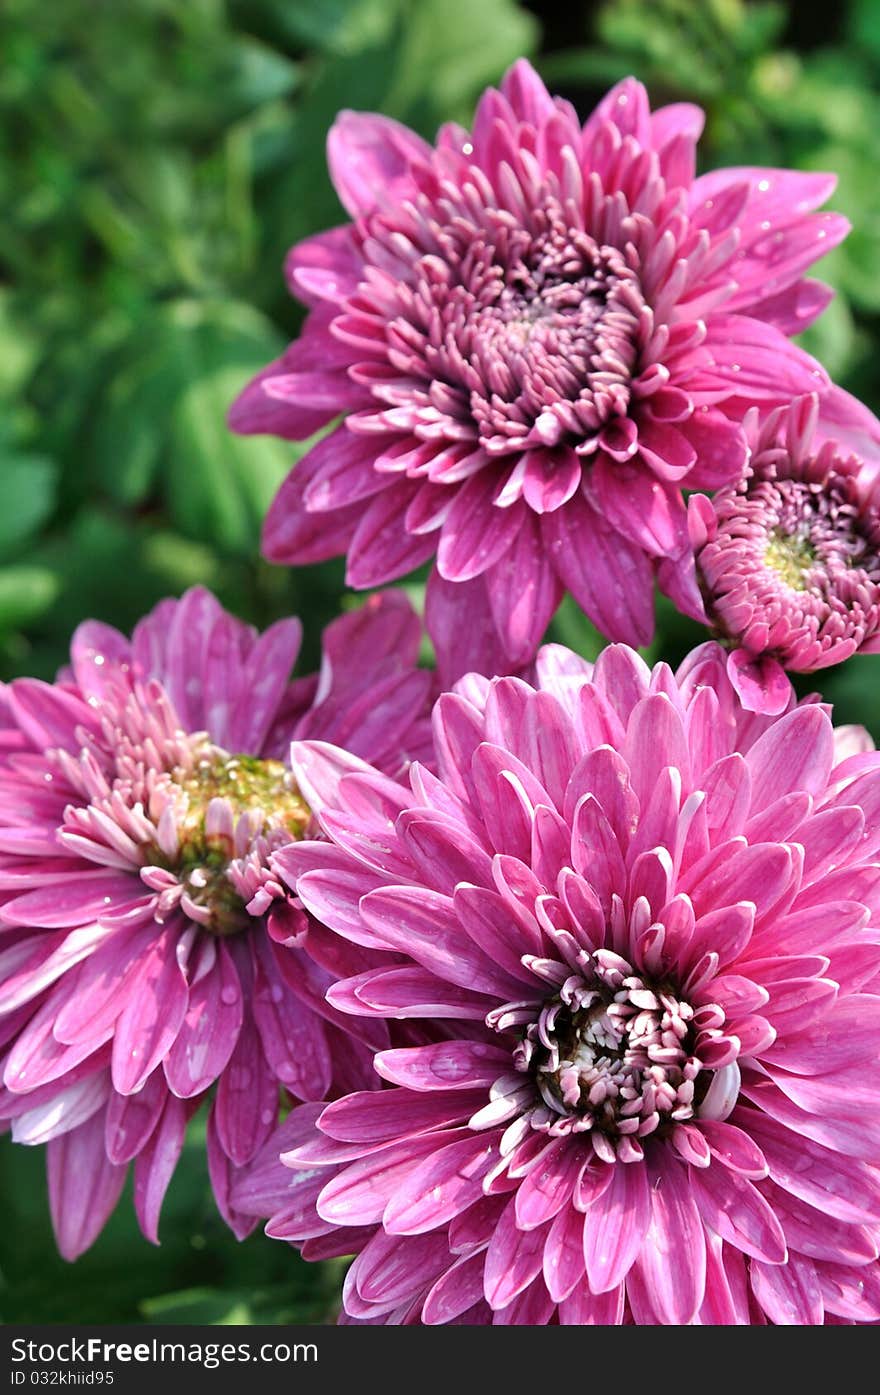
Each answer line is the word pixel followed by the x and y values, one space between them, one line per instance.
pixel 258 74
pixel 19 347
pixel 571 627
pixel 833 338
pixel 130 422
pixel 219 485
pixel 26 593
pixel 27 495
pixel 338 26
pixel 450 49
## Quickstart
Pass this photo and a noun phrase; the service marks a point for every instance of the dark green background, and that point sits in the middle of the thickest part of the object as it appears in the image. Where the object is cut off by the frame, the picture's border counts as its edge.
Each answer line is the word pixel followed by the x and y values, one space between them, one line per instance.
pixel 156 161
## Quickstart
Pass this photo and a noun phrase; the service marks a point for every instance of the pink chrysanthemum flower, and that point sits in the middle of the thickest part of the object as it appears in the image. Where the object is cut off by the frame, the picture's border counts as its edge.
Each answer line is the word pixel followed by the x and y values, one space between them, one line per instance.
pixel 788 559
pixel 648 919
pixel 539 334
pixel 148 951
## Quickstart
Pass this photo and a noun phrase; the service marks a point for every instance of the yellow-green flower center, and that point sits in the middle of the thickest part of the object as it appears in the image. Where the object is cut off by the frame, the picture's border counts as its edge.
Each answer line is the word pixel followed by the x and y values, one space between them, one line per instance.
pixel 791 558
pixel 228 809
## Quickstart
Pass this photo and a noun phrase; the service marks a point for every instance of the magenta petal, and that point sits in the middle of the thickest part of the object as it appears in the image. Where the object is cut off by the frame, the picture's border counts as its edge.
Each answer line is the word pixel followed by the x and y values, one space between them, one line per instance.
pixel 459 619
pixel 405 992
pixel 257 411
pixel 793 309
pixel 48 715
pixel 423 924
pixel 450 1065
pixel 293 1039
pixel 476 532
pixel 795 753
pixel 547 1187
pixel 101 986
pixel 513 1259
pixel 76 901
pixel 526 93
pixel 381 550
pixel 721 449
pixel 551 478
pixel 131 1119
pixel 294 536
pixel 455 1291
pixel 223 1175
pixel 324 267
pixel 359 1193
pixel 392 1268
pixel 383 1115
pixel 646 511
pixel 523 593
pixel 736 1211
pixel 609 577
pixel 97 651
pixel 582 1308
pixel 790 1293
pixel 246 1105
pixel 758 363
pixel 84 1186
pixel 442 1186
pixel 370 159
pixel 672 1260
pixel 563 1264
pixel 152 1016
pixel 209 1030
pixel 760 681
pixel 155 1164
pixel 615 1227
pixel 341 470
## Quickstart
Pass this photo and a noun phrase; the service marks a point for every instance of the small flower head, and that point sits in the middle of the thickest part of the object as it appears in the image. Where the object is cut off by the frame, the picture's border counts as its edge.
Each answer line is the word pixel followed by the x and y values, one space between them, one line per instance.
pixel 150 953
pixel 647 919
pixel 539 333
pixel 788 559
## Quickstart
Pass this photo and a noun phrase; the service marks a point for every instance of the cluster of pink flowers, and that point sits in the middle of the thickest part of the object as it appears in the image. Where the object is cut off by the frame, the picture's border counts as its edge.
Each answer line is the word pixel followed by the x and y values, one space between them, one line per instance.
pixel 549 991
pixel 150 954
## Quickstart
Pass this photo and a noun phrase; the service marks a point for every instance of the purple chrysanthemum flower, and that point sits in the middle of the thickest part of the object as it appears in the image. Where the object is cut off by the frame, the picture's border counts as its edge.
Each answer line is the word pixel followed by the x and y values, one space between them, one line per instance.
pixel 788 559
pixel 649 921
pixel 148 951
pixel 539 334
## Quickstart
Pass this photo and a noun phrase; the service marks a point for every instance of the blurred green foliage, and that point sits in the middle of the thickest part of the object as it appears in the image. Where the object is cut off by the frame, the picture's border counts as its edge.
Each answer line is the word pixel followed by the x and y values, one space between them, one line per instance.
pixel 156 161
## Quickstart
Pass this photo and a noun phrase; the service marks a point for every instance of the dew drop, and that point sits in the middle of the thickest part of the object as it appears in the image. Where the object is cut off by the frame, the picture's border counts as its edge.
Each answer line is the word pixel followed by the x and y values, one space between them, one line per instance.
pixel 228 995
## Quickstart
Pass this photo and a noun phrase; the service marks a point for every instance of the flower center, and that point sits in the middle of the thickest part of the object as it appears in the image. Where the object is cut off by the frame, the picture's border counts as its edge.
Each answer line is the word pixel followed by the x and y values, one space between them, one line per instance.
pixel 531 333
pixel 229 808
pixel 791 558
pixel 195 823
pixel 611 1053
pixel 795 566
